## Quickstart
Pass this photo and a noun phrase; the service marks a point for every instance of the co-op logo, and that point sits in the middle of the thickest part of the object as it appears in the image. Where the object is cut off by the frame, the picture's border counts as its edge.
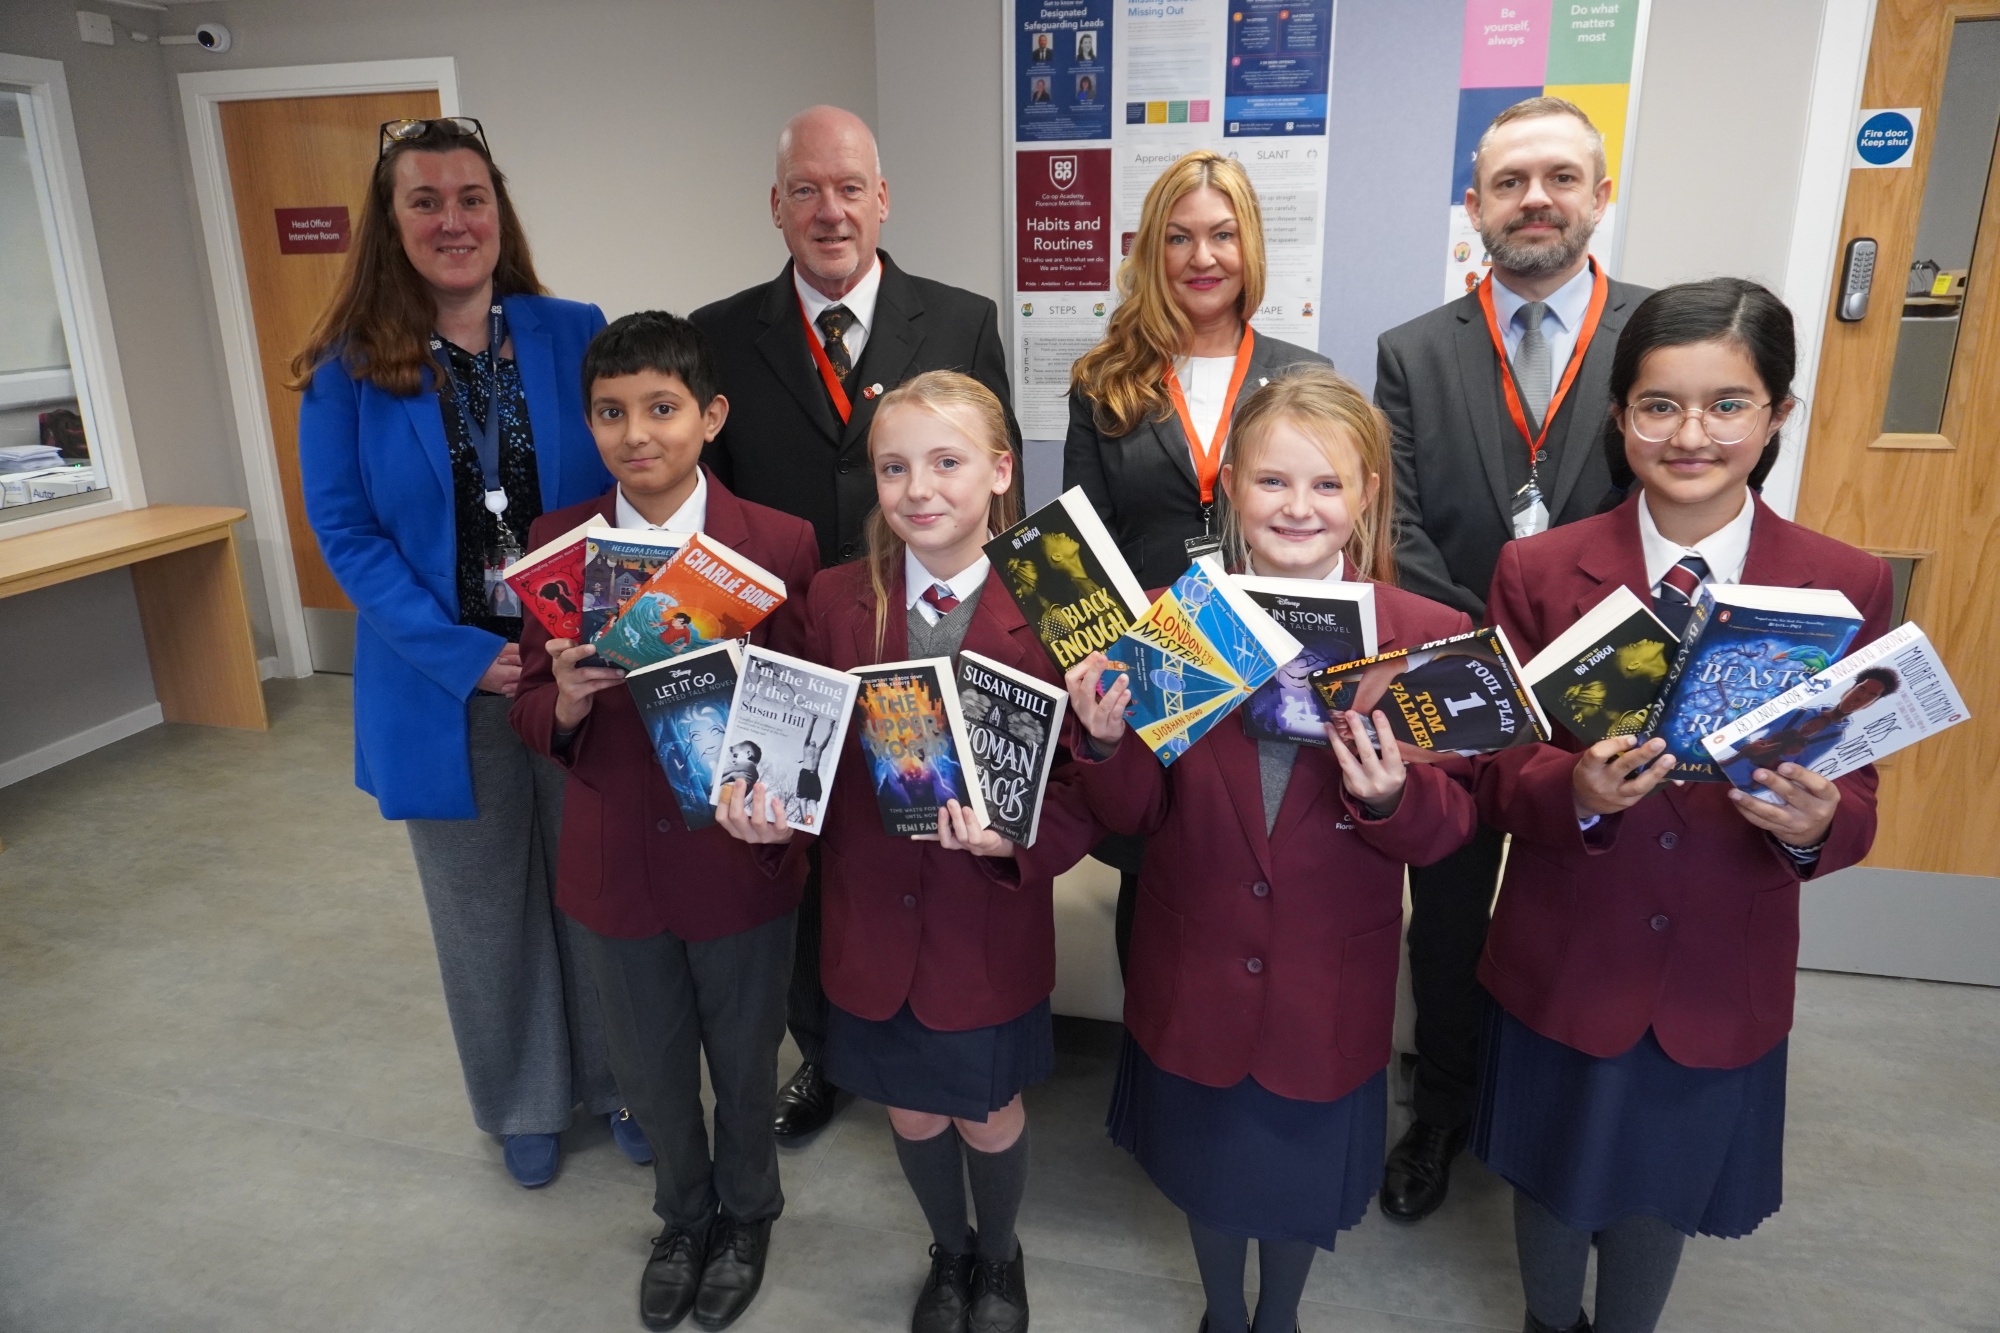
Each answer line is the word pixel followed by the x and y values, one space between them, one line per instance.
pixel 1062 171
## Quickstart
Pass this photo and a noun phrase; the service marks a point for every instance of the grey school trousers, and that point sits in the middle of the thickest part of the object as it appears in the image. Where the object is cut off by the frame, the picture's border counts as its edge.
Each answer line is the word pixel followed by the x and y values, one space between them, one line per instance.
pixel 522 1011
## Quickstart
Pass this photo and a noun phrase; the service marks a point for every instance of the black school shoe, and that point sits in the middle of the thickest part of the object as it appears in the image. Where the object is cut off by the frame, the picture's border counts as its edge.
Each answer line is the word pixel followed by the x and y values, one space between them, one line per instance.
pixel 1534 1325
pixel 673 1275
pixel 999 1295
pixel 735 1270
pixel 1418 1172
pixel 805 1104
pixel 947 1295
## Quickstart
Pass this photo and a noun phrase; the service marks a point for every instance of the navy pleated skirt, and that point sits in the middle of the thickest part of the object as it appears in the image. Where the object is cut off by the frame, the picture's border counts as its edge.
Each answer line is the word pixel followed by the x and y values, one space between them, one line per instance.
pixel 1243 1160
pixel 1594 1140
pixel 971 1074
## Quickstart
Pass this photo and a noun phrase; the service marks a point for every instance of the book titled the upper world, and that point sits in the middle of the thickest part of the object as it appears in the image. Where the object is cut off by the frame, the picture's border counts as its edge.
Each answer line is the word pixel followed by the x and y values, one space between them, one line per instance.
pixel 1744 644
pixel 1333 622
pixel 549 582
pixel 704 594
pixel 684 702
pixel 1601 676
pixel 1869 704
pixel 1067 576
pixel 919 756
pixel 786 725
pixel 1013 722
pixel 1200 650
pixel 1461 695
pixel 615 562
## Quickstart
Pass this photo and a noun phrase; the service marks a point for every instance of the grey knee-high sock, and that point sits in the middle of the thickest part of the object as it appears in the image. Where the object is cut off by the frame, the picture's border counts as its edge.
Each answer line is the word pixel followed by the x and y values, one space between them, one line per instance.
pixel 1636 1261
pixel 1553 1258
pixel 1220 1257
pixel 1282 1267
pixel 936 1173
pixel 999 1180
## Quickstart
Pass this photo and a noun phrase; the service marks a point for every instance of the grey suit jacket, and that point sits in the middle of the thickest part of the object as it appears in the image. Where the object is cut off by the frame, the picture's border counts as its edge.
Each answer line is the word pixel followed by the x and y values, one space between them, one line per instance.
pixel 1437 379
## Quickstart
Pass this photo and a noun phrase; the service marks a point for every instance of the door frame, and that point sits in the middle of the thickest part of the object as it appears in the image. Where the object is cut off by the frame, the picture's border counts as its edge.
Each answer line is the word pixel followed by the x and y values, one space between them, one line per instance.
pixel 201 98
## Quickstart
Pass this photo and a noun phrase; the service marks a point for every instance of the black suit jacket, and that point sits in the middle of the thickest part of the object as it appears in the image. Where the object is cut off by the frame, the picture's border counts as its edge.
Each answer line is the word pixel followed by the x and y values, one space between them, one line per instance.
pixel 1437 379
pixel 1143 482
pixel 784 445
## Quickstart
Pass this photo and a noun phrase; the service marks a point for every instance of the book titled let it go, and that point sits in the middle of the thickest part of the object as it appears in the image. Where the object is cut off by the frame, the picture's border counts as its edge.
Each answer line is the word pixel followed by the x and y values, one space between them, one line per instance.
pixel 684 704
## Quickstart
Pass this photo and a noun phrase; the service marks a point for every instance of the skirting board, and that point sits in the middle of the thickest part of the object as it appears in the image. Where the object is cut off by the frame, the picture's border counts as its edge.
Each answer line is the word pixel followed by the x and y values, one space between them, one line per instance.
pixel 83 742
pixel 1902 923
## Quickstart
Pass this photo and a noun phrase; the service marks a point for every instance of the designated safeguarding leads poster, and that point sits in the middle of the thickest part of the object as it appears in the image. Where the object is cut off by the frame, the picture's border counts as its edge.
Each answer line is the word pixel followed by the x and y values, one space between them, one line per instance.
pixel 1104 96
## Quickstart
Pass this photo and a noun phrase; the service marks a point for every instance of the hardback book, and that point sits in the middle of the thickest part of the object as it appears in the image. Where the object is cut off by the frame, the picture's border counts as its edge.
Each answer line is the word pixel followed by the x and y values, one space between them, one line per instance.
pixel 704 594
pixel 1871 703
pixel 1068 577
pixel 615 562
pixel 1199 651
pixel 919 756
pixel 1601 675
pixel 1333 622
pixel 1744 645
pixel 549 582
pixel 1013 722
pixel 1461 695
pixel 684 702
pixel 786 725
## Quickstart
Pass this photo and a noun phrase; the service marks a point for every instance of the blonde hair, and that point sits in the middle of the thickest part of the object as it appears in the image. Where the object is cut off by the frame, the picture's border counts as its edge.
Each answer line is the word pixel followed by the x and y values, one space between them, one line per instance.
pixel 1339 418
pixel 972 408
pixel 1124 375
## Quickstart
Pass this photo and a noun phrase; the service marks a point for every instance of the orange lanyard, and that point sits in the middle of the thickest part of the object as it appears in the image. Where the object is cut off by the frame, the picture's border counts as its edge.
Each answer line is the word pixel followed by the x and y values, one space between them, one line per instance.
pixel 826 371
pixel 1208 458
pixel 1600 290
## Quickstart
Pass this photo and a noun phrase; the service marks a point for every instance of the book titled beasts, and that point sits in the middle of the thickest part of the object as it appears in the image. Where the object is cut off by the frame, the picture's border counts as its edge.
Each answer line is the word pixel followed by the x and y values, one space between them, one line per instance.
pixel 786 725
pixel 1013 722
pixel 549 582
pixel 704 594
pixel 1196 653
pixel 1602 675
pixel 1461 695
pixel 1067 576
pixel 684 703
pixel 919 756
pixel 615 562
pixel 1333 622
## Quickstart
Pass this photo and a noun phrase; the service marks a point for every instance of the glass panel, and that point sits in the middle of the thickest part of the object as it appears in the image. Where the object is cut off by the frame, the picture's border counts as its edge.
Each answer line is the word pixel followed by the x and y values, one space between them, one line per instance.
pixel 45 456
pixel 1954 193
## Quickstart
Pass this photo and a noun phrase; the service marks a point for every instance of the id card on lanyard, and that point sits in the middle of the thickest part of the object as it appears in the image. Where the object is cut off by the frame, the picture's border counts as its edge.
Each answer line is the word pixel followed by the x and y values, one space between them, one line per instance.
pixel 1208 457
pixel 1531 512
pixel 502 549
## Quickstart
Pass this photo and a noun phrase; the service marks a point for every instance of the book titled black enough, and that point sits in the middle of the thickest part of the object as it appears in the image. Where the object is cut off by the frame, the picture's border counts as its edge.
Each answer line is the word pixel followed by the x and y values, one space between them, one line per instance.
pixel 1067 576
pixel 1601 676
pixel 1461 695
pixel 1012 722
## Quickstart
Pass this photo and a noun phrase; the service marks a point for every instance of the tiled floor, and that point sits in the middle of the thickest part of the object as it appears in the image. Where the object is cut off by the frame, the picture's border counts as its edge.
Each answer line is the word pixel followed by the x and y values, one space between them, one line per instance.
pixel 228 1101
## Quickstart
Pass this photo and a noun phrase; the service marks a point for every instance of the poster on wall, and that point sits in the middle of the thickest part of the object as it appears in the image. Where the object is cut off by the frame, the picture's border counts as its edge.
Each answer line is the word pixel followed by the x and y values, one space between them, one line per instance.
pixel 1105 96
pixel 1586 51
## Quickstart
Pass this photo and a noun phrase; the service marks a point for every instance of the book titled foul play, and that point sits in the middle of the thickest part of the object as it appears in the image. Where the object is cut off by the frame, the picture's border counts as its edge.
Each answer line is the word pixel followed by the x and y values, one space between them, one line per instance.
pixel 549 582
pixel 615 562
pixel 919 756
pixel 1067 576
pixel 1461 695
pixel 786 725
pixel 1602 675
pixel 703 595
pixel 1012 722
pixel 1333 622
pixel 684 702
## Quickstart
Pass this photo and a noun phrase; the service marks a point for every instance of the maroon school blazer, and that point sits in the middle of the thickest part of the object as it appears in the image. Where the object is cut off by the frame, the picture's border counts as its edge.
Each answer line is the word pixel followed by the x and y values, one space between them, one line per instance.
pixel 967 941
pixel 1678 914
pixel 1275 956
pixel 629 866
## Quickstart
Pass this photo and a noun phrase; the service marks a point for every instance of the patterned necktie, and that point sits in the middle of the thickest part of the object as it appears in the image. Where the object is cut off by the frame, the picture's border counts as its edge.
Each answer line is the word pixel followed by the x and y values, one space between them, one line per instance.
pixel 1673 600
pixel 1531 363
pixel 833 324
pixel 942 598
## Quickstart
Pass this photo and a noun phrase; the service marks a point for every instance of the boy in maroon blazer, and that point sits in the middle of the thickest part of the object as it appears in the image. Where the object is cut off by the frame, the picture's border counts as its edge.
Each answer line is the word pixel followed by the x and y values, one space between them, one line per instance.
pixel 687 933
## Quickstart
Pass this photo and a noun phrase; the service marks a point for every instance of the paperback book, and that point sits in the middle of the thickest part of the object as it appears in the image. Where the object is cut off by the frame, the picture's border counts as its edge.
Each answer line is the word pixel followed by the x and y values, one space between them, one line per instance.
pixel 786 725
pixel 1871 703
pixel 704 594
pixel 1461 695
pixel 615 562
pixel 684 702
pixel 549 582
pixel 1602 675
pixel 1013 722
pixel 1334 623
pixel 916 744
pixel 1068 577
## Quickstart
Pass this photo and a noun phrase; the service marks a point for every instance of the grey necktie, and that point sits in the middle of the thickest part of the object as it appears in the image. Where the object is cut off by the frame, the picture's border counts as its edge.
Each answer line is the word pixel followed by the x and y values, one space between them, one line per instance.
pixel 1531 362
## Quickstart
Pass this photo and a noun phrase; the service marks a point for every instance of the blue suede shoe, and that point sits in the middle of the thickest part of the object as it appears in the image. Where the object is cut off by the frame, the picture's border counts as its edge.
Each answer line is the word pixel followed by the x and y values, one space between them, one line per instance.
pixel 531 1158
pixel 631 1139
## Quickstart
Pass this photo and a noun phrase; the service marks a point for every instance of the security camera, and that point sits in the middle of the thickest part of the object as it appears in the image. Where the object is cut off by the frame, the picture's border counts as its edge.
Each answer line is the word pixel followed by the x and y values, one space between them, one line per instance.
pixel 208 36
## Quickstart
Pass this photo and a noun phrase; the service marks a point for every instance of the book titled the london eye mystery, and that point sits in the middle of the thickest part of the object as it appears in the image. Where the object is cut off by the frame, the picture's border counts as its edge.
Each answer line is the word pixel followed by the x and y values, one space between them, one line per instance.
pixel 1012 722
pixel 684 702
pixel 914 739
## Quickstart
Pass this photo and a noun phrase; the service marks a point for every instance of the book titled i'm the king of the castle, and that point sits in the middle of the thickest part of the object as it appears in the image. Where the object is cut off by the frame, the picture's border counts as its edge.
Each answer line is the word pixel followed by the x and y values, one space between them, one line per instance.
pixel 1066 574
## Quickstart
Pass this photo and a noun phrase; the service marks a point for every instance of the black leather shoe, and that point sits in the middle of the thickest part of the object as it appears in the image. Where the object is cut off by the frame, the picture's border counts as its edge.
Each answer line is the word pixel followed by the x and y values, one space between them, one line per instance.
pixel 947 1294
pixel 735 1270
pixel 1534 1325
pixel 667 1287
pixel 999 1295
pixel 1419 1171
pixel 805 1104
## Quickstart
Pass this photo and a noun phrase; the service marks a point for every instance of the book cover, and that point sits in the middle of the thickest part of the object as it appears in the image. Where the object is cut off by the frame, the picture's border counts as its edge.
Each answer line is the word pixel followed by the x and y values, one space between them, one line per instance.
pixel 615 562
pixel 915 742
pixel 786 724
pixel 1334 623
pixel 1067 576
pixel 549 582
pixel 1461 695
pixel 1871 703
pixel 1744 644
pixel 684 703
pixel 704 594
pixel 1602 675
pixel 1196 653
pixel 1013 722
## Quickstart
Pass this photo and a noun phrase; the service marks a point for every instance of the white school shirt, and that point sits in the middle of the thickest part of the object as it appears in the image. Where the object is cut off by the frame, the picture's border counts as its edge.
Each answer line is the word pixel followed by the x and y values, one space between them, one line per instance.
pixel 860 303
pixel 1725 549
pixel 916 579
pixel 692 516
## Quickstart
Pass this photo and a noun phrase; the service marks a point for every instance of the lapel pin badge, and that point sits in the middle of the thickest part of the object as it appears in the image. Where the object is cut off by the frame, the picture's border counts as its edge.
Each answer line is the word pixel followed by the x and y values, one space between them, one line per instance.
pixel 871 391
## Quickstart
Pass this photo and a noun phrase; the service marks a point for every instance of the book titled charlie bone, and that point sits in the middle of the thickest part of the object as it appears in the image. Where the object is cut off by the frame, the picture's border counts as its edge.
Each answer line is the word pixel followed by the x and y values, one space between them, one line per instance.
pixel 704 594
pixel 914 740
pixel 1196 653
pixel 1871 703
pixel 1333 622
pixel 1012 722
pixel 1461 695
pixel 786 725
pixel 1744 645
pixel 684 703
pixel 549 582
pixel 1601 676
pixel 1066 574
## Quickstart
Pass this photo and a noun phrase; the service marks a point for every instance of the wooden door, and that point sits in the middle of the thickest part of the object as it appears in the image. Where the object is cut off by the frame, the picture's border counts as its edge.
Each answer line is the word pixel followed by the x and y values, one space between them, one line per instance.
pixel 1902 454
pixel 292 160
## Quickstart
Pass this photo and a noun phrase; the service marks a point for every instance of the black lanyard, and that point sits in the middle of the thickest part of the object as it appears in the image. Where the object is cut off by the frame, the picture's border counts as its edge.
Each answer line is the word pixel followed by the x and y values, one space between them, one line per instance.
pixel 486 442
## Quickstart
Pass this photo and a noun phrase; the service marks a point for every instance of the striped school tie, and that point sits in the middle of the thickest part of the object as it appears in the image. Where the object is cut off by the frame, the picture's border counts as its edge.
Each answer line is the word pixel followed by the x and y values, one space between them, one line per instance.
pixel 942 598
pixel 1674 598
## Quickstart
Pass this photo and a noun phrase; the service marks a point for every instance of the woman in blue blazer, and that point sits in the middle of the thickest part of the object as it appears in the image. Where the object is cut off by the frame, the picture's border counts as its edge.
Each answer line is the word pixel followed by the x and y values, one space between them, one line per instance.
pixel 443 415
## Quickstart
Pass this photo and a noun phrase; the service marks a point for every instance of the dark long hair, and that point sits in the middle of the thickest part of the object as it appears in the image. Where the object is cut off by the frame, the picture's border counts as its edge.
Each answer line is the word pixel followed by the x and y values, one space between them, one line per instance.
pixel 1733 310
pixel 380 319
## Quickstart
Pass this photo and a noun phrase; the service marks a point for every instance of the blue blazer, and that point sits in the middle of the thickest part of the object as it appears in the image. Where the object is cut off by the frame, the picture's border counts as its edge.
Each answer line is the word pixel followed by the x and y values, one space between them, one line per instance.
pixel 378 491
